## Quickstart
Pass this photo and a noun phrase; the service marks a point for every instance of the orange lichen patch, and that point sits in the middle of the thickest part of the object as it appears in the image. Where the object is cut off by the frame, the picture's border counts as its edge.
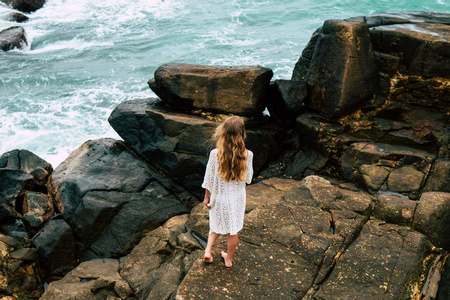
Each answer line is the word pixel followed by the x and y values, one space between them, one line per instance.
pixel 427 92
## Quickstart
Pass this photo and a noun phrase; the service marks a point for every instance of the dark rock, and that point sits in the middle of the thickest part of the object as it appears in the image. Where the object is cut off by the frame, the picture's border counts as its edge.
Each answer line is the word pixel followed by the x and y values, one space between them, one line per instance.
pixel 384 261
pixel 111 198
pixel 295 163
pixel 394 209
pixel 16 229
pixel 405 180
pixel 20 275
pixel 424 46
pixel 286 101
pixel 318 192
pixel 432 218
pixel 38 208
pixel 267 191
pixel 412 49
pixel 10 241
pixel 369 163
pixel 111 223
pixel 439 178
pixel 387 63
pixel 157 265
pixel 56 248
pixel 223 89
pixel 25 5
pixel 342 74
pixel 372 177
pixel 24 254
pixel 404 18
pixel 301 67
pixel 17 17
pixel 13 184
pixel 444 284
pixel 12 37
pixel 432 93
pixel 179 144
pixel 96 279
pixel 29 162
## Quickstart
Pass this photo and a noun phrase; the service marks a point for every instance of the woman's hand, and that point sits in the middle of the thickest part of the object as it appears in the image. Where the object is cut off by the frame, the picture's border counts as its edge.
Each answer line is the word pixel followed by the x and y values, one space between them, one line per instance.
pixel 206 202
pixel 207 198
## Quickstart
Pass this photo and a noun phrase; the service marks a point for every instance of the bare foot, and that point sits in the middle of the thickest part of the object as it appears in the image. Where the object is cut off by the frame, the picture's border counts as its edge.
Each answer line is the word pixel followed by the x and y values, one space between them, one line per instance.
pixel 228 262
pixel 208 258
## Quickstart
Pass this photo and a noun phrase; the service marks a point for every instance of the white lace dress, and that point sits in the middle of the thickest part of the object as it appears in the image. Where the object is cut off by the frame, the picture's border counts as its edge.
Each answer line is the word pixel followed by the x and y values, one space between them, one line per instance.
pixel 227 199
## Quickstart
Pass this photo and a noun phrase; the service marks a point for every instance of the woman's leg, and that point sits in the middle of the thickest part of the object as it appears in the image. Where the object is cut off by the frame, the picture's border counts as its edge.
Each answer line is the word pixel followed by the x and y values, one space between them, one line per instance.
pixel 231 248
pixel 211 240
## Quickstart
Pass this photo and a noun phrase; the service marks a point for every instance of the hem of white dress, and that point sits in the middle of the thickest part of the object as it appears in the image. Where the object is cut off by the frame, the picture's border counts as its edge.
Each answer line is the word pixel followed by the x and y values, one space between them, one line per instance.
pixel 226 232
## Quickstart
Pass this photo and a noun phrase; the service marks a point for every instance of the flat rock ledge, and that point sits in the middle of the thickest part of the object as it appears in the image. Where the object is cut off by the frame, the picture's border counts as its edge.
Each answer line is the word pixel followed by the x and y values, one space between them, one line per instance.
pixel 312 240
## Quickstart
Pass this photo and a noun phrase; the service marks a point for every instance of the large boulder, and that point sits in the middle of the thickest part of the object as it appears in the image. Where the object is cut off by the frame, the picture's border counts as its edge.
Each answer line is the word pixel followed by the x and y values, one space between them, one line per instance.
pixel 30 163
pixel 97 279
pixel 12 38
pixel 25 5
pixel 238 90
pixel 56 247
pixel 111 198
pixel 342 74
pixel 286 101
pixel 179 144
pixel 412 50
pixel 422 37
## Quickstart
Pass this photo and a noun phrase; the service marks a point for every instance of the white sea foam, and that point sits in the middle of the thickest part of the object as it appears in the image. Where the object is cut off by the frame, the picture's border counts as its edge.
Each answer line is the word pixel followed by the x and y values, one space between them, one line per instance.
pixel 74 44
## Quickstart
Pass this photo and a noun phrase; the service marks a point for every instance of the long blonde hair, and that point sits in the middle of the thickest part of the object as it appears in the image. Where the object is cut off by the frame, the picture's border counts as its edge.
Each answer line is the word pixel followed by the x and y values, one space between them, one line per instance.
pixel 232 155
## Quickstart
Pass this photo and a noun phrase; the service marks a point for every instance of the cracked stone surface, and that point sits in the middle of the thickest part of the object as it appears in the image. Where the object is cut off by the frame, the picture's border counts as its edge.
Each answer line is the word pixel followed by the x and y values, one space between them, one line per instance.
pixel 317 241
pixel 383 262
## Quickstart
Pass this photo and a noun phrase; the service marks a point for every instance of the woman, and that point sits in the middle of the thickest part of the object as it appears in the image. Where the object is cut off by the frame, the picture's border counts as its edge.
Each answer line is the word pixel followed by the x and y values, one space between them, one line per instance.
pixel 229 168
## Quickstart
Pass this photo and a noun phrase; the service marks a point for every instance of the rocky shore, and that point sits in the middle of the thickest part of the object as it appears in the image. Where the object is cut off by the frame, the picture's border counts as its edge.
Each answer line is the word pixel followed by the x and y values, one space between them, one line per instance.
pixel 14 37
pixel 351 196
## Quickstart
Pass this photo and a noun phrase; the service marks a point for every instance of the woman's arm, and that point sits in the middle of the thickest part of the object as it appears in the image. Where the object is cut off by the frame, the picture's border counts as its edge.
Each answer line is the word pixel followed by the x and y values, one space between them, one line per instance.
pixel 207 198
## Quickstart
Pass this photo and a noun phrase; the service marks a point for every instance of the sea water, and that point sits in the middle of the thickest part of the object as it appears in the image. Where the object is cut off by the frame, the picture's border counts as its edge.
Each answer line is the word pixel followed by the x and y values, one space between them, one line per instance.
pixel 85 57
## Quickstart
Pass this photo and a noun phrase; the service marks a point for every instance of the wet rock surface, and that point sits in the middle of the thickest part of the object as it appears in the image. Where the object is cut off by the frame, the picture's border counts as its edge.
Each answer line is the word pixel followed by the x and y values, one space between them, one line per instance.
pixel 12 38
pixel 17 17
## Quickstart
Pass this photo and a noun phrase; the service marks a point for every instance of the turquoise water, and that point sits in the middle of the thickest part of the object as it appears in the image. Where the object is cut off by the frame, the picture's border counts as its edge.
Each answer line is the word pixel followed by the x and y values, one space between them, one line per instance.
pixel 86 56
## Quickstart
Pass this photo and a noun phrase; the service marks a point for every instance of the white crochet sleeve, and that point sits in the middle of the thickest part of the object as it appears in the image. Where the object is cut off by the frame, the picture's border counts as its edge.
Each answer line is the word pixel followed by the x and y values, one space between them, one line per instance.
pixel 208 180
pixel 250 167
